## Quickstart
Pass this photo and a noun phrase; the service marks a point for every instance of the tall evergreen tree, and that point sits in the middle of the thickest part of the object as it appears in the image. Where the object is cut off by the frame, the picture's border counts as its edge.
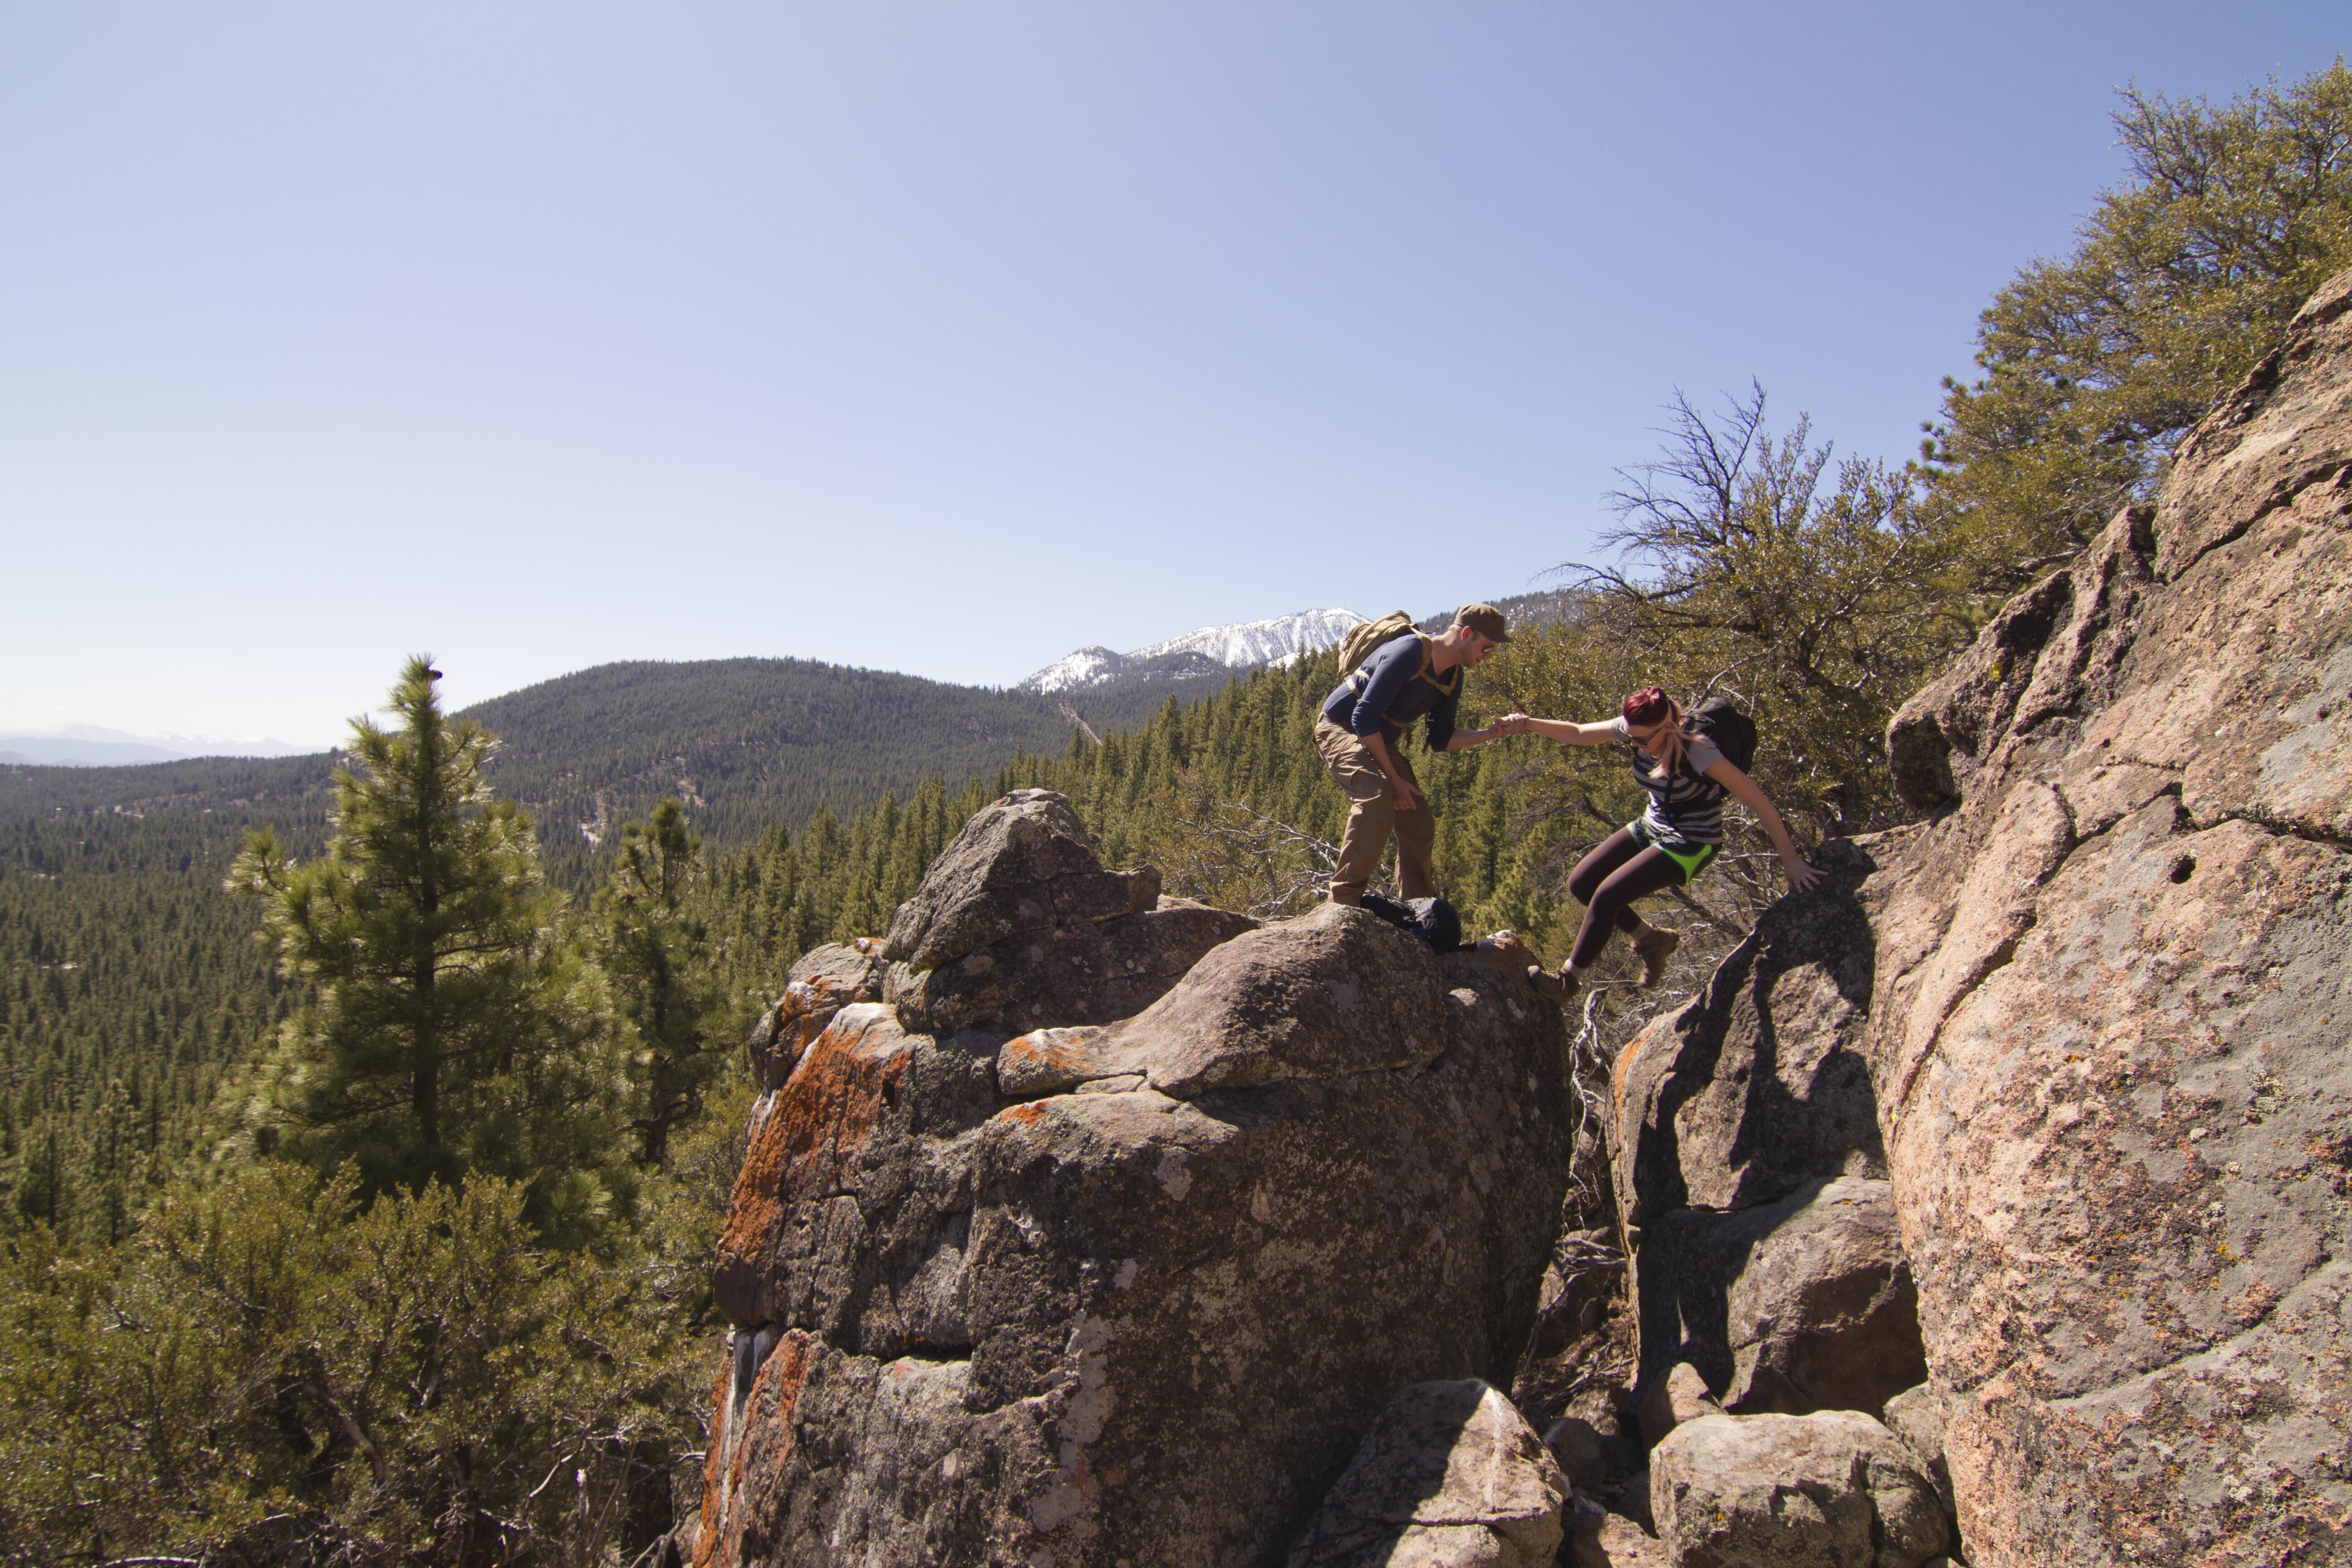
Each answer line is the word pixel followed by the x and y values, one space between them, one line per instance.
pixel 656 952
pixel 457 1028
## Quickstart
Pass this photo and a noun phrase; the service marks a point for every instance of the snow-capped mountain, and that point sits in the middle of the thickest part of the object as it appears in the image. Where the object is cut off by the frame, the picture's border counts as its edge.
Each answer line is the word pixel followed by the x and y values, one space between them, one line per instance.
pixel 1084 667
pixel 1243 646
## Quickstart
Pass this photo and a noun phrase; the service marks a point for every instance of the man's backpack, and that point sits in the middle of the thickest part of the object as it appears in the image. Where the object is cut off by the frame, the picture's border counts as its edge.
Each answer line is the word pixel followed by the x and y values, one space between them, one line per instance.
pixel 1431 920
pixel 1732 731
pixel 1366 637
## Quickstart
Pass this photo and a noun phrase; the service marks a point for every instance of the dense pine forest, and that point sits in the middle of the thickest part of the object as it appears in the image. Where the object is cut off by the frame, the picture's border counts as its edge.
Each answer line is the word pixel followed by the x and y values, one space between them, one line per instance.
pixel 368 1119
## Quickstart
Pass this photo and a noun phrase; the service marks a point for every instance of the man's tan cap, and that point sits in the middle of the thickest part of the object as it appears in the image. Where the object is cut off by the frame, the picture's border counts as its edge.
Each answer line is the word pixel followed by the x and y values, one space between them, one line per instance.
pixel 1486 620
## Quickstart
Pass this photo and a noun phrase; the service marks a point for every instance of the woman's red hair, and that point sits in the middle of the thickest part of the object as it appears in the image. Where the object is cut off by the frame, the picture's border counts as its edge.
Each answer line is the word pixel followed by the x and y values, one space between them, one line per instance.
pixel 1650 705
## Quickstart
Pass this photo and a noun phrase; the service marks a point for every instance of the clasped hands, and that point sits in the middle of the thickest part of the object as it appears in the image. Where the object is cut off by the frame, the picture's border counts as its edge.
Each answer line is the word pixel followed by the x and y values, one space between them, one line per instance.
pixel 1512 724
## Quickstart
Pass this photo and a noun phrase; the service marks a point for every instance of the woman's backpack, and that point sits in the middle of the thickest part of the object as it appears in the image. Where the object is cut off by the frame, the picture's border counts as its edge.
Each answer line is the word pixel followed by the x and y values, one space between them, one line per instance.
pixel 1731 732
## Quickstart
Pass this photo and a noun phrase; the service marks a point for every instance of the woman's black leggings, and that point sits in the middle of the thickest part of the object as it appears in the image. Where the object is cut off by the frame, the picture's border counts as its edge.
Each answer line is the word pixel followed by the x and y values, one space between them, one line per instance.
pixel 1620 869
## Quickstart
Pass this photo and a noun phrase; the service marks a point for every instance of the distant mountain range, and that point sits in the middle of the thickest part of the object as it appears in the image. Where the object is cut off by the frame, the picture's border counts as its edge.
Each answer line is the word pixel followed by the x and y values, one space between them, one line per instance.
pixel 1206 651
pixel 1102 690
pixel 91 746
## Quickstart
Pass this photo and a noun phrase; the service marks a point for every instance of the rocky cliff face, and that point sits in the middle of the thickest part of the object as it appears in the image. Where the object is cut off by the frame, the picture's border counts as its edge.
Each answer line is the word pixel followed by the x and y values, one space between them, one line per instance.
pixel 1110 1248
pixel 2111 1035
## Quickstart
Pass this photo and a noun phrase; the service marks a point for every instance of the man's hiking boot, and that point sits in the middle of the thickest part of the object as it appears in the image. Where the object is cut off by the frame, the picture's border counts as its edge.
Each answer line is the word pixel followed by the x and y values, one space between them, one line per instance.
pixel 1653 947
pixel 1561 988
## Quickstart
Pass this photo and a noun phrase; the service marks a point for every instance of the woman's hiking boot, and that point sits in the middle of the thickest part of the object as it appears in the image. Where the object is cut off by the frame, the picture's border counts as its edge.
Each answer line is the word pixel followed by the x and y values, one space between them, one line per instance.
pixel 1561 987
pixel 1653 947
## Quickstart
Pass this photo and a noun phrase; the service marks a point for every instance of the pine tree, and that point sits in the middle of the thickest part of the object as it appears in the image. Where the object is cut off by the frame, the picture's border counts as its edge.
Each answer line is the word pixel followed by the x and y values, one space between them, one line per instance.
pixel 657 956
pixel 457 1027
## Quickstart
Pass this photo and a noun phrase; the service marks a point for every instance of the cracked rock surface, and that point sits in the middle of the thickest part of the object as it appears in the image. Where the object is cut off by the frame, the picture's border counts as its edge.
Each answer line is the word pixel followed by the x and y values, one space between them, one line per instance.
pixel 2111 1021
pixel 1129 1286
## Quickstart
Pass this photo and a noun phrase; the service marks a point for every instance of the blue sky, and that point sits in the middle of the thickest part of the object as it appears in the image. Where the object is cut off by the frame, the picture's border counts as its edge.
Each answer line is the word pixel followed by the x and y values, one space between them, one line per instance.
pixel 947 338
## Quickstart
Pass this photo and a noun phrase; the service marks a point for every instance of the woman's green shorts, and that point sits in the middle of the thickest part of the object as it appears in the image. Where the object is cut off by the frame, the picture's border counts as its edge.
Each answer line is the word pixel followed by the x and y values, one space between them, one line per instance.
pixel 1692 857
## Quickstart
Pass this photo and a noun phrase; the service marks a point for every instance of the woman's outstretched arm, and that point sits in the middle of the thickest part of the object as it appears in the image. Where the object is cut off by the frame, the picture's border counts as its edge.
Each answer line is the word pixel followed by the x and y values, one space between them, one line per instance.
pixel 1566 731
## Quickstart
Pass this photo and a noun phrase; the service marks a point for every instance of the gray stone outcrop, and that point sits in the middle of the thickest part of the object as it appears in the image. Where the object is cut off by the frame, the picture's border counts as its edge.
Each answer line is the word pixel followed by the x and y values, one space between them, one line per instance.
pixel 1017 926
pixel 1137 1290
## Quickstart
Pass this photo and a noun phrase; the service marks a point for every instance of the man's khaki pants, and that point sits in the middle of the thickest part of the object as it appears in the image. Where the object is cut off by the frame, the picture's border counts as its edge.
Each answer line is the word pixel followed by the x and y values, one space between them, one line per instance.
pixel 1372 816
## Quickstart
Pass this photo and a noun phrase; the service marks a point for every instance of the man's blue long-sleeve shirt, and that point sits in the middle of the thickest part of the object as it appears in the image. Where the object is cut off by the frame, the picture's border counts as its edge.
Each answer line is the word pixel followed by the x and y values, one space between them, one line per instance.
pixel 1389 692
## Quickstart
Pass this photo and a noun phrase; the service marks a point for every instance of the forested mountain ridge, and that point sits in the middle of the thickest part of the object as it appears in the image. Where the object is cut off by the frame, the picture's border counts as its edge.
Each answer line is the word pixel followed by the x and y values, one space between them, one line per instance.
pixel 743 742
pixel 199 785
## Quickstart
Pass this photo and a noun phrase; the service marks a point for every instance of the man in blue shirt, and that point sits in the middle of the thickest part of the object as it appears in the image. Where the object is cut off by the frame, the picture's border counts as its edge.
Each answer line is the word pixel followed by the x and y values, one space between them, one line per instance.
pixel 1361 734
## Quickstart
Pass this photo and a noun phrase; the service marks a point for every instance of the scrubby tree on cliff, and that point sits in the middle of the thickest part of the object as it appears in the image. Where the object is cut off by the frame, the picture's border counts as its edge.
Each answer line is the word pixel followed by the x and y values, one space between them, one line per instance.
pixel 459 1028
pixel 1767 569
pixel 2184 276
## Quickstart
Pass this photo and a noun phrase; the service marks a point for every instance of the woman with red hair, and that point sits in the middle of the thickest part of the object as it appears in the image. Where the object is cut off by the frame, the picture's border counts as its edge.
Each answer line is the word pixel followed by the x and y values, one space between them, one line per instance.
pixel 1670 843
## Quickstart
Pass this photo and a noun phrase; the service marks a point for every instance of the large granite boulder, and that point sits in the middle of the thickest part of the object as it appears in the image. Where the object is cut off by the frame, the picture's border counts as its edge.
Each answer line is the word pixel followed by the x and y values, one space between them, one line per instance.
pixel 1451 1476
pixel 1143 1310
pixel 1801 1305
pixel 1832 1490
pixel 2112 1004
pixel 1728 1119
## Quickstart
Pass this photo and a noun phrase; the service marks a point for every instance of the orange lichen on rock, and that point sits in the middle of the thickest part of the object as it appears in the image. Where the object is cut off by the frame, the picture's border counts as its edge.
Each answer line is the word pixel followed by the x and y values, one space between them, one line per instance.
pixel 706 1538
pixel 807 1143
pixel 1045 1050
pixel 1624 1065
pixel 806 1007
pixel 758 1439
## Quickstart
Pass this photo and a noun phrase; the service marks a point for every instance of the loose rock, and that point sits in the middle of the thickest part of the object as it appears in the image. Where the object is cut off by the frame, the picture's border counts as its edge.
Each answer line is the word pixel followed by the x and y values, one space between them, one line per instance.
pixel 1450 1476
pixel 1681 1395
pixel 1916 1416
pixel 1612 1541
pixel 1832 1490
